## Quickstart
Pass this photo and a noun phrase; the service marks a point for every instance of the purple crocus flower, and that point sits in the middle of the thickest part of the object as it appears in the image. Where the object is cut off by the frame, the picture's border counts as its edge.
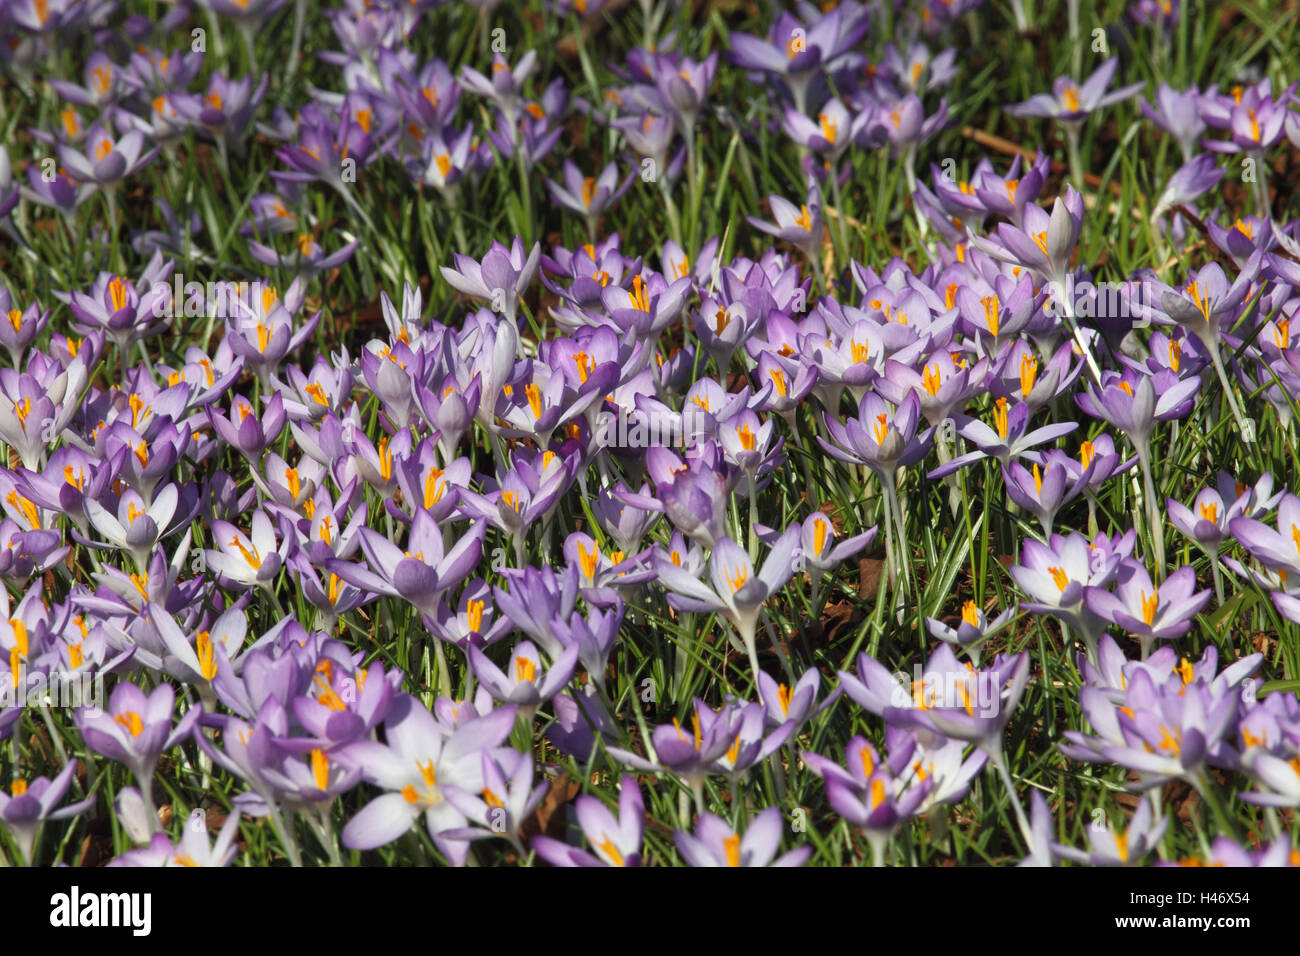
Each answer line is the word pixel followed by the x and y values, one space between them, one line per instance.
pixel 30 803
pixel 801 226
pixel 589 197
pixel 714 843
pixel 1278 549
pixel 418 760
pixel 1124 847
pixel 1178 114
pixel 614 841
pixel 136 730
pixel 524 683
pixel 1191 181
pixel 419 574
pixel 1010 439
pixel 972 630
pixel 1071 102
pixel 508 798
pixel 193 848
pixel 871 794
pixel 501 277
pixel 738 592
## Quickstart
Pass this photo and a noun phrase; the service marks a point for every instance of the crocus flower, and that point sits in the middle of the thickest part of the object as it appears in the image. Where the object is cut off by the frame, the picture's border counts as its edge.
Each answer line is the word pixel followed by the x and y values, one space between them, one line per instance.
pixel 193 848
pixel 113 159
pixel 508 798
pixel 1072 102
pixel 524 682
pixel 417 761
pixel 1010 439
pixel 1191 181
pixel 614 841
pixel 1278 549
pixel 136 729
pixel 501 277
pixel 738 592
pixel 29 804
pixel 871 795
pixel 972 631
pixel 422 572
pixel 801 226
pixel 587 196
pixel 1124 847
pixel 714 843
pixel 1149 612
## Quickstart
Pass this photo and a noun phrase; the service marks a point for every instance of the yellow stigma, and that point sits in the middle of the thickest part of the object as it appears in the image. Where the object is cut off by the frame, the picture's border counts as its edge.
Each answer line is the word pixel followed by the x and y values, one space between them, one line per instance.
pixel 880 429
pixel 432 489
pixel 582 361
pixel 117 293
pixel 16 319
pixel 18 787
pixel 877 793
pixel 992 313
pixel 608 848
pixel 1038 481
pixel 746 437
pixel 320 768
pixel 829 129
pixel 1028 373
pixel 206 650
pixel 1070 95
pixel 587 560
pixel 1210 512
pixel 131 721
pixel 820 527
pixel 1202 301
pixel 534 395
pixel 739 580
pixel 1184 670
pixel 1086 453
pixel 474 615
pixel 970 613
pixel 27 508
pixel 1000 417
pixel 931 379
pixel 253 558
pixel 1121 845
pixel 778 379
pixel 1149 605
pixel 444 164
pixel 868 763
pixel 783 695
pixel 588 191
pixel 640 295
pixel 525 670
pixel 76 657
pixel 1059 576
pixel 731 845
pixel 803 220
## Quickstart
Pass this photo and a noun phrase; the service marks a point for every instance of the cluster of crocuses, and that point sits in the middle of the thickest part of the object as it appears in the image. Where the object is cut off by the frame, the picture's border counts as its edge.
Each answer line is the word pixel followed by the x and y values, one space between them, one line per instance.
pixel 422 493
